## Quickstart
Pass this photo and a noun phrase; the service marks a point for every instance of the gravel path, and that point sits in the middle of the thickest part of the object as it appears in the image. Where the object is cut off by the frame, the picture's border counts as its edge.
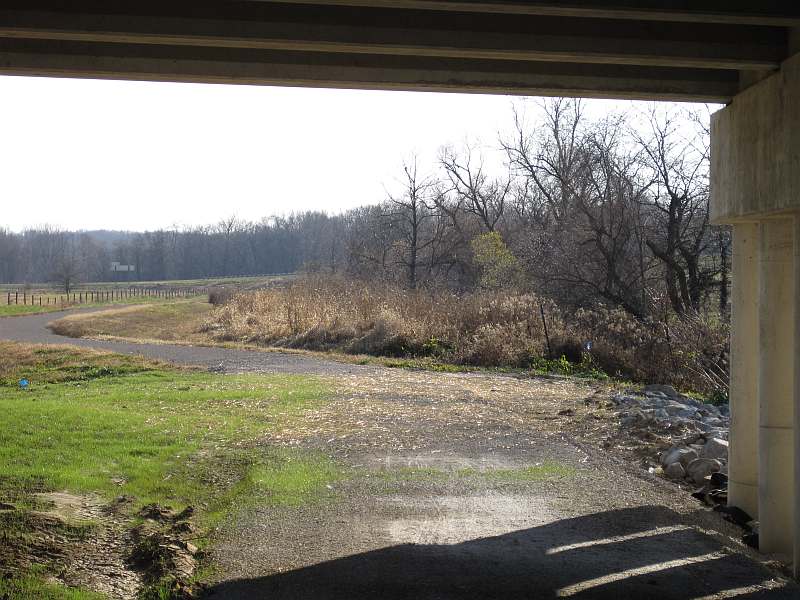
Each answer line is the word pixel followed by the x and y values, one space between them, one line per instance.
pixel 436 509
pixel 33 329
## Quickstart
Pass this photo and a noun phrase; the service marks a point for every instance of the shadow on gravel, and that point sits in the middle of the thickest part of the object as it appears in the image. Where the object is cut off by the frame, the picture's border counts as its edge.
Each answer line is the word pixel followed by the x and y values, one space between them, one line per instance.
pixel 641 552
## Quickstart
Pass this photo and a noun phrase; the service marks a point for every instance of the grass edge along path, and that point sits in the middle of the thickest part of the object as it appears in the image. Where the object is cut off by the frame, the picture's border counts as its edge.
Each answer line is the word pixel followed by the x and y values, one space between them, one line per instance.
pixel 21 310
pixel 98 423
pixel 184 322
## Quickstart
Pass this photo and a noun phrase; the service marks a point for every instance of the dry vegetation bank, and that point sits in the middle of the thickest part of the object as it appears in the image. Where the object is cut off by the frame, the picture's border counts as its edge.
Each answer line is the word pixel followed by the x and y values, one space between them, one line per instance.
pixel 170 322
pixel 497 329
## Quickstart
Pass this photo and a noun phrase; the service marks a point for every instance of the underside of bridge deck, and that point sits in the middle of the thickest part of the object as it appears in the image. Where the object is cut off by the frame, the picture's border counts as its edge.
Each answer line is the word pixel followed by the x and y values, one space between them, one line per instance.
pixel 702 50
pixel 740 52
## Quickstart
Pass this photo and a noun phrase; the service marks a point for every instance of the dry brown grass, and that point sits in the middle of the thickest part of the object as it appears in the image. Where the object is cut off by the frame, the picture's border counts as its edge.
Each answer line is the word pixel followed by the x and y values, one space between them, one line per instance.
pixel 325 313
pixel 171 322
pixel 486 328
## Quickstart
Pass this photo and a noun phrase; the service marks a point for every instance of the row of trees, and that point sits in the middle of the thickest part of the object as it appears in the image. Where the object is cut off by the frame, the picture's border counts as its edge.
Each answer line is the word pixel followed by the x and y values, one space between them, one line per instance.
pixel 614 209
pixel 231 247
pixel 584 210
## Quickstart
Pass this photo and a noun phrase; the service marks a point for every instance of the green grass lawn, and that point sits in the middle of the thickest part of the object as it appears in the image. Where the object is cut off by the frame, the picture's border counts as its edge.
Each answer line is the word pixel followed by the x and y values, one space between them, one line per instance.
pixel 12 310
pixel 136 428
pixel 114 425
pixel 32 587
pixel 164 283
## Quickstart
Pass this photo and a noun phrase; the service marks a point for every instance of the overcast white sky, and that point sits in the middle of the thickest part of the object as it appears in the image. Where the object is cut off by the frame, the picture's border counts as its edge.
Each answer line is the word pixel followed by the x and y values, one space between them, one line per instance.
pixel 83 154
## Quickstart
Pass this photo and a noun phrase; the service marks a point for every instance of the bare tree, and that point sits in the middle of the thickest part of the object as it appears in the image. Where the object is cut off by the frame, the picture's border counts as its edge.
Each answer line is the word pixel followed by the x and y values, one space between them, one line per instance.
pixel 411 211
pixel 677 159
pixel 227 229
pixel 550 154
pixel 474 191
pixel 67 266
pixel 579 200
pixel 369 241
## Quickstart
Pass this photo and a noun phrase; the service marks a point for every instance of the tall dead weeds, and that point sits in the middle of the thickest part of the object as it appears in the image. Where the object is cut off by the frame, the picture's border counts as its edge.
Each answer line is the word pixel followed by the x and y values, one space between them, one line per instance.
pixel 493 329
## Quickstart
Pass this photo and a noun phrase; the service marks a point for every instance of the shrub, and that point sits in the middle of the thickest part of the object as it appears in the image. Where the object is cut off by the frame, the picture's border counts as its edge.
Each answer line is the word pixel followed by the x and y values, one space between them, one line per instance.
pixel 219 296
pixel 498 266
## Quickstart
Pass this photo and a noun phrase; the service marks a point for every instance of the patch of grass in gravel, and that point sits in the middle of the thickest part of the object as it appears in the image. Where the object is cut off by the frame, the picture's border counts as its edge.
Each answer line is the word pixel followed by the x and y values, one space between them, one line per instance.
pixel 277 477
pixel 292 479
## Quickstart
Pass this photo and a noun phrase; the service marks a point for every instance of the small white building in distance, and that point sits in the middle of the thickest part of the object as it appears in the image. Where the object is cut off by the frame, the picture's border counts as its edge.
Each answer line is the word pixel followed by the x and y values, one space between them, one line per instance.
pixel 120 268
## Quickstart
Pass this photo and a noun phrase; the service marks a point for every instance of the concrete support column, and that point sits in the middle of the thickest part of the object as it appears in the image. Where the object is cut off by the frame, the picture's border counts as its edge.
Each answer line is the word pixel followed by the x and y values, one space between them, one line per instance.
pixel 743 457
pixel 797 396
pixel 776 387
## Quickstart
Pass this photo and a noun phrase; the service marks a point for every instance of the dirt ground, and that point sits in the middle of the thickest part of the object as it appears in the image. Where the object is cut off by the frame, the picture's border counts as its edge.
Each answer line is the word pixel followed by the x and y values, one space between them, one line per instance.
pixel 464 486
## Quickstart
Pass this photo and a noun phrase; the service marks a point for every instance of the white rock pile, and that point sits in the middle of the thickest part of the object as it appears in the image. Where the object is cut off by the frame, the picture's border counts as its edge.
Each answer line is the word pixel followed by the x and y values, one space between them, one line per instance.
pixel 690 440
pixel 698 432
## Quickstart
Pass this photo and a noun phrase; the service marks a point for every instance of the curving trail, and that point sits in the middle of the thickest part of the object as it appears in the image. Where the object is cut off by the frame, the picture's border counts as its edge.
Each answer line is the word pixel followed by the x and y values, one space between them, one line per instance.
pixel 33 329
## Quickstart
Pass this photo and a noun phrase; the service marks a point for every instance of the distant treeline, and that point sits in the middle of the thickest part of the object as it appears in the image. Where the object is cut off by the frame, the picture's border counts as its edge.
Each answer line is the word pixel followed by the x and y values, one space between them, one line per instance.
pixel 229 248
pixel 610 210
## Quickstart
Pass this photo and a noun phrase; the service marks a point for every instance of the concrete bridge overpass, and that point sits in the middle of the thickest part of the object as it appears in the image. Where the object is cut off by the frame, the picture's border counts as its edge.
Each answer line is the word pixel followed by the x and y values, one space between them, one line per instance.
pixel 743 53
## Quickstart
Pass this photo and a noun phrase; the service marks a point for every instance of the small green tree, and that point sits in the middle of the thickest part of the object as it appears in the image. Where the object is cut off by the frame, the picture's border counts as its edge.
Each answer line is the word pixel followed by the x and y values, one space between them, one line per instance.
pixel 497 265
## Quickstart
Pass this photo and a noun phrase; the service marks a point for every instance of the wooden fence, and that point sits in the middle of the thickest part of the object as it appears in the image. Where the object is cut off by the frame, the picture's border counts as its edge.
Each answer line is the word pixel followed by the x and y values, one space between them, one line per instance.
pixel 98 296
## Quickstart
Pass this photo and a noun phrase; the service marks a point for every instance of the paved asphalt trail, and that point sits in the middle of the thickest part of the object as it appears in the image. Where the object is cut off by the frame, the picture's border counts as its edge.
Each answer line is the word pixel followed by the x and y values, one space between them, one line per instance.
pixel 33 329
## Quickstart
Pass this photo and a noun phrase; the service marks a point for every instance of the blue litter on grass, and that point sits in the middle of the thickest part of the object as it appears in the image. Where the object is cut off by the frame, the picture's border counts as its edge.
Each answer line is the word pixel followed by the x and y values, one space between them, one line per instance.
pixel 24 383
